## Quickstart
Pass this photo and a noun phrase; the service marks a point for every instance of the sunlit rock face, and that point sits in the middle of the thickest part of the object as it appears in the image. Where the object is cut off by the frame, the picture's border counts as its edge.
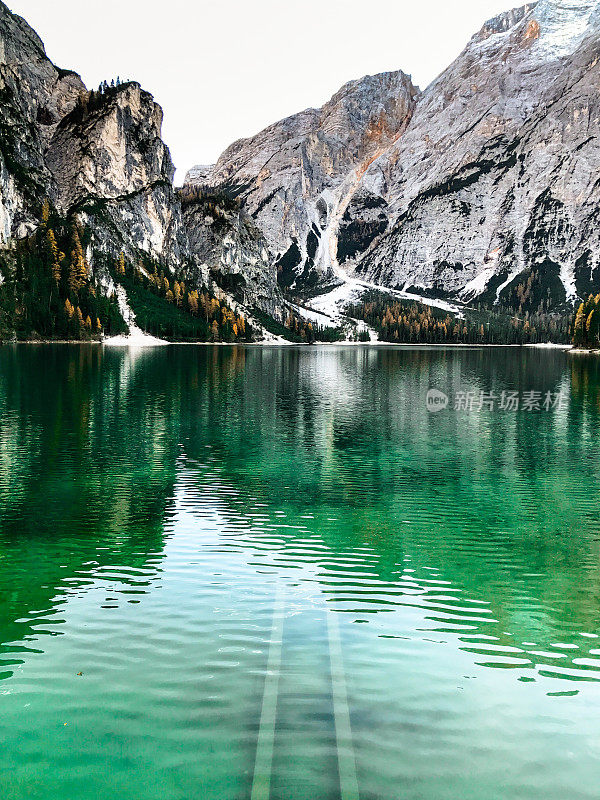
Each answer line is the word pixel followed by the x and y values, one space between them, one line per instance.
pixel 109 161
pixel 297 177
pixel 100 156
pixel 466 190
pixel 34 97
pixel 494 178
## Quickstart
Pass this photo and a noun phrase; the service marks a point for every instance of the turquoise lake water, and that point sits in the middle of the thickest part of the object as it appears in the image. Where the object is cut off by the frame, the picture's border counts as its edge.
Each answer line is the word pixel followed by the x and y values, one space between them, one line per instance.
pixel 281 576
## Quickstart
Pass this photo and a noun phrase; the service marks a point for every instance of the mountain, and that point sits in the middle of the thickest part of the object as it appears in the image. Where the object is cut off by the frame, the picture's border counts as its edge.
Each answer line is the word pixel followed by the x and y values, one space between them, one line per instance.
pixel 87 172
pixel 297 177
pixel 97 154
pixel 483 187
pixel 495 180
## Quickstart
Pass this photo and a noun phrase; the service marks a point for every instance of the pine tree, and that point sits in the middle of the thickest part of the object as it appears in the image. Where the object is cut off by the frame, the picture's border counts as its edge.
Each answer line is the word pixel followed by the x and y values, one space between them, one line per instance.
pixel 579 327
pixel 78 271
pixel 193 302
pixel 54 256
pixel 45 212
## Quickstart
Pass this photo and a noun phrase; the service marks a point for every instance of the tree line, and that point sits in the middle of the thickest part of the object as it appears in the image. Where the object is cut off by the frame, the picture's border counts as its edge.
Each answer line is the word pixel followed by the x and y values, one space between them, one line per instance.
pixel 410 322
pixel 168 306
pixel 51 287
pixel 586 325
pixel 49 290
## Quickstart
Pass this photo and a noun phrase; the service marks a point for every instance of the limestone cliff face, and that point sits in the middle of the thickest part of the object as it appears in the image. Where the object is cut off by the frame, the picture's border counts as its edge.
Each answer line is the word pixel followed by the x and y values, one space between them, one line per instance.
pixel 297 177
pixel 110 165
pixel 98 155
pixel 34 96
pixel 230 250
pixel 496 176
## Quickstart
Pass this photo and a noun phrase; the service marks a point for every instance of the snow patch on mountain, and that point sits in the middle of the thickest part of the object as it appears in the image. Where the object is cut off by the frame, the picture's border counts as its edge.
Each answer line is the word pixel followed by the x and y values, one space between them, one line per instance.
pixel 563 25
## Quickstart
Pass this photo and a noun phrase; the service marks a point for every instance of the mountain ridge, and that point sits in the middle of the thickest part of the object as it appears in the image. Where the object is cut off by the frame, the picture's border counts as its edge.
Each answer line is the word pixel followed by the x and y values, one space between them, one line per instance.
pixel 479 189
pixel 411 220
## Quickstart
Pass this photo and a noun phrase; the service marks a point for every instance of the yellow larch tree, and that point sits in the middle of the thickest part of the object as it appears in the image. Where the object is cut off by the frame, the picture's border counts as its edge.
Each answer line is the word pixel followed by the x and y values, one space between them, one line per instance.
pixel 45 212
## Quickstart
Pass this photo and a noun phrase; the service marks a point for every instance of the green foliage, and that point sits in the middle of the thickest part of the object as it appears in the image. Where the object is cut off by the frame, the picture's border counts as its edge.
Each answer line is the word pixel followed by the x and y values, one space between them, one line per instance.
pixel 212 198
pixel 586 323
pixel 534 291
pixel 409 322
pixel 297 330
pixel 166 307
pixel 49 291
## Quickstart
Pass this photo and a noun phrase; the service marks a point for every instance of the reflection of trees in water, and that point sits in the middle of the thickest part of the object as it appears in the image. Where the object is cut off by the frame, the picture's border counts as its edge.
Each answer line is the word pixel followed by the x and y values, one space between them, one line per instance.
pixel 91 439
pixel 490 504
pixel 87 467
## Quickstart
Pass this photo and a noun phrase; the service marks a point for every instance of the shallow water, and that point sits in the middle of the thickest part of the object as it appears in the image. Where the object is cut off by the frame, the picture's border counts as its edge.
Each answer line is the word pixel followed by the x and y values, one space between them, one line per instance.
pixel 279 573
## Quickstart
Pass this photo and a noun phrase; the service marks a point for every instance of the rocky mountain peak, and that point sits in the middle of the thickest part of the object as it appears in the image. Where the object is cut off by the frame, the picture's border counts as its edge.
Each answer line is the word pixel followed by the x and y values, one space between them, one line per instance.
pixel 504 22
pixel 297 176
pixel 556 26
pixel 563 24
pixel 490 185
pixel 91 155
pixel 17 37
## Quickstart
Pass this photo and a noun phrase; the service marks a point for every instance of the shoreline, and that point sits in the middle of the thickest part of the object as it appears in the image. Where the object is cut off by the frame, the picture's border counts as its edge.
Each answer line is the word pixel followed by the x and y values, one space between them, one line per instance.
pixel 123 344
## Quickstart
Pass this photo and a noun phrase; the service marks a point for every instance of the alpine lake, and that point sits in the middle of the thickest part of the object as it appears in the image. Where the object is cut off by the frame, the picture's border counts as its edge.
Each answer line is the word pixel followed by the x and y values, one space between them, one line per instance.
pixel 236 573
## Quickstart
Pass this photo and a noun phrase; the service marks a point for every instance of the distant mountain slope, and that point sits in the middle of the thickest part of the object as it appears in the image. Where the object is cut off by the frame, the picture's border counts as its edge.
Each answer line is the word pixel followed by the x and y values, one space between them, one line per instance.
pixel 496 178
pixel 297 176
pixel 483 186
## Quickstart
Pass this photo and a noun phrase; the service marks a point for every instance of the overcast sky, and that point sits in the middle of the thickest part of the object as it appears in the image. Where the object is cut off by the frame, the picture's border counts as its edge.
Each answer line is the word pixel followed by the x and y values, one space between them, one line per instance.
pixel 224 69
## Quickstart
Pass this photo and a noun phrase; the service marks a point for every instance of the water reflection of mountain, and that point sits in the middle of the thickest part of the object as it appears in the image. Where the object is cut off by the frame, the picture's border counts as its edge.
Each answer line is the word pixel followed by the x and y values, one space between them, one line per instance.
pixel 326 457
pixel 487 522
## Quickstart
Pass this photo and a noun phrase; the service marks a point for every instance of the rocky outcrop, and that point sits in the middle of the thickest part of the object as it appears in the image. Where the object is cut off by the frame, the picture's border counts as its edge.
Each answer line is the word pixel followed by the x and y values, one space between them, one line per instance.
pixel 111 166
pixel 230 250
pixel 99 155
pixel 34 96
pixel 495 178
pixel 297 177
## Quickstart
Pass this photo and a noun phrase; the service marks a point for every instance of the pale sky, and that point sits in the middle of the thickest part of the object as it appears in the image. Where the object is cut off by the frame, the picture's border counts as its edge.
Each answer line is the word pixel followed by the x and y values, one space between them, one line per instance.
pixel 225 69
